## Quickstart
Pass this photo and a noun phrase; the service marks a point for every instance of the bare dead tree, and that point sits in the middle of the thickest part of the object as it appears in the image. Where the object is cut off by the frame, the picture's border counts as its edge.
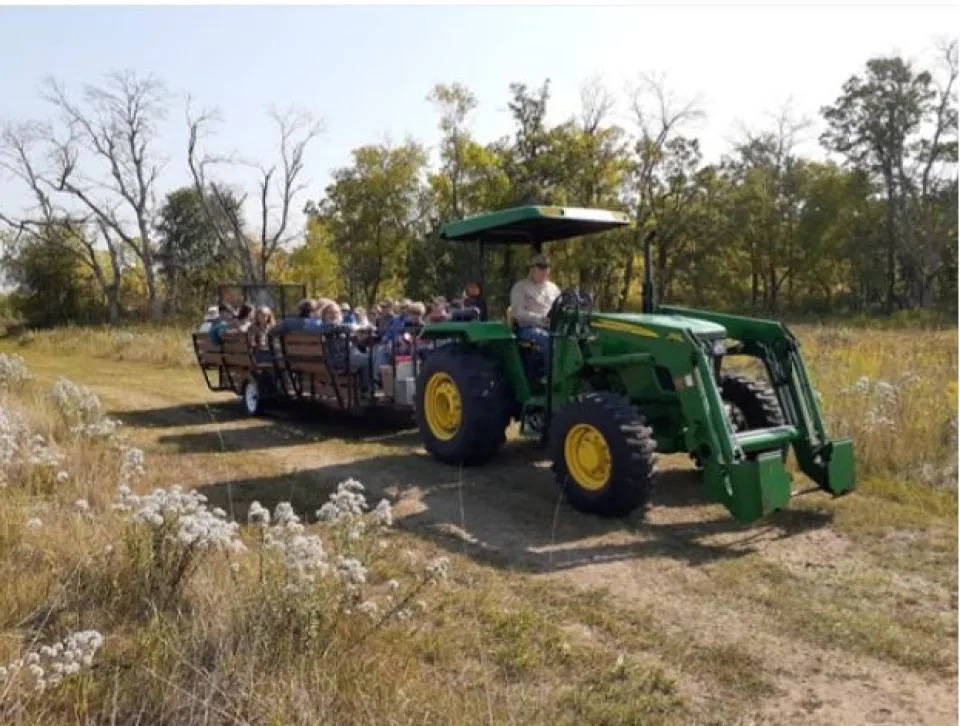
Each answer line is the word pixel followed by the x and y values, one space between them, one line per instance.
pixel 106 161
pixel 278 186
pixel 939 151
pixel 46 219
pixel 596 104
pixel 657 117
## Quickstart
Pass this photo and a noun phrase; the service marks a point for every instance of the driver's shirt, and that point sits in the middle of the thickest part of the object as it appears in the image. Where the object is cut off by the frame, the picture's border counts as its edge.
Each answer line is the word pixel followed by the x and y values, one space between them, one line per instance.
pixel 530 302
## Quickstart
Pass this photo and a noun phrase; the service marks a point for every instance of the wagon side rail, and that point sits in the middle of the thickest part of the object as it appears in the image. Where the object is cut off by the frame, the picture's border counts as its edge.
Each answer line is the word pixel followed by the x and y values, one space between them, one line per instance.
pixel 210 357
pixel 305 361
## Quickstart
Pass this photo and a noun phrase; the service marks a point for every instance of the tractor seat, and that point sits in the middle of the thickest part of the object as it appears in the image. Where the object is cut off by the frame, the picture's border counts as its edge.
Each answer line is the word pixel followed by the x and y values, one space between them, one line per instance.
pixel 512 324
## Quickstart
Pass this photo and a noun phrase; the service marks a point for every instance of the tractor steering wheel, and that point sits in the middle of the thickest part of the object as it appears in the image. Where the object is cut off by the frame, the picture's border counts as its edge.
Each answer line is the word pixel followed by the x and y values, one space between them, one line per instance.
pixel 568 301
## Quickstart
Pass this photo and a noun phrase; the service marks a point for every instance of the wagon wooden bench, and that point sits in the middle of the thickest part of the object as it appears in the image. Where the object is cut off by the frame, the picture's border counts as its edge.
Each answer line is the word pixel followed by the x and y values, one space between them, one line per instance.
pixel 308 361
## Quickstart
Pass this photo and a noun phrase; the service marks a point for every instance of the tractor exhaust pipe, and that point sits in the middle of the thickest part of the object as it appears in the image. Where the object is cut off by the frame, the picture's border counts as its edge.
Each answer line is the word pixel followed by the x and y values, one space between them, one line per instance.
pixel 648 287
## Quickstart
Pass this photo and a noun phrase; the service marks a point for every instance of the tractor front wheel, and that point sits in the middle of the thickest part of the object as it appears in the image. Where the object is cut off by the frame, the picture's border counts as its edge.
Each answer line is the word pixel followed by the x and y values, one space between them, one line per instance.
pixel 754 403
pixel 604 454
pixel 462 405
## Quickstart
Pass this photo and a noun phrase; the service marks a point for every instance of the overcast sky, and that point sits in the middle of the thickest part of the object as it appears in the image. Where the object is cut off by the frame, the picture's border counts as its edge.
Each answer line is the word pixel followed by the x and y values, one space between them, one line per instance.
pixel 366 70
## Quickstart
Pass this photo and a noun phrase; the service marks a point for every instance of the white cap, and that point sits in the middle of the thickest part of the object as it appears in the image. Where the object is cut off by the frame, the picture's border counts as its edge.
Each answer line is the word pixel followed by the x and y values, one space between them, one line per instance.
pixel 212 312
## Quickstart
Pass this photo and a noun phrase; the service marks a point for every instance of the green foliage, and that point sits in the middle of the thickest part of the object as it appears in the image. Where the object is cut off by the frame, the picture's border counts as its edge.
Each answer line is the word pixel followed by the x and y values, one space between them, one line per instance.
pixel 52 288
pixel 373 211
pixel 761 230
pixel 190 255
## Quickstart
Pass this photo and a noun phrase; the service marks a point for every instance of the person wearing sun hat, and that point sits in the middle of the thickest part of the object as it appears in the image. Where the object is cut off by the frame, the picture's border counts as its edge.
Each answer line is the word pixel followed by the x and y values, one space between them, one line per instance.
pixel 212 314
pixel 530 301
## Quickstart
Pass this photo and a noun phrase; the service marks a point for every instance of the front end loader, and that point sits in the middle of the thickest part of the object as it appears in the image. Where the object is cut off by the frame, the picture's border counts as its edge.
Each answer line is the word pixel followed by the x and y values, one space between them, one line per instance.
pixel 619 389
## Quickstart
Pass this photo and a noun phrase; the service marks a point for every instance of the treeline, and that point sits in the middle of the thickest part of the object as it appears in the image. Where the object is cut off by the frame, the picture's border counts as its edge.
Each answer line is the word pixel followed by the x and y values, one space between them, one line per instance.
pixel 763 230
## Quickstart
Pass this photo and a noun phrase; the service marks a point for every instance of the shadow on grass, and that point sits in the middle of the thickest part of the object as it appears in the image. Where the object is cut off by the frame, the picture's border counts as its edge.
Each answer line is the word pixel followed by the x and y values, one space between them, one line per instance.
pixel 284 424
pixel 508 514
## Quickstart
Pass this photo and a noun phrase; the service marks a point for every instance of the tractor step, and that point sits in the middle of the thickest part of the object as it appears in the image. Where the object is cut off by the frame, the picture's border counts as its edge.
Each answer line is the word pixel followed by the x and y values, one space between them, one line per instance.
pixel 531 419
pixel 766 439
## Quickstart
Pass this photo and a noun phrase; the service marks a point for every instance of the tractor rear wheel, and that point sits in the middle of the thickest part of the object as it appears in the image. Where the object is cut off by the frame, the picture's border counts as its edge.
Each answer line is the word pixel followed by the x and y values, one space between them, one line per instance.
pixel 753 405
pixel 462 405
pixel 604 454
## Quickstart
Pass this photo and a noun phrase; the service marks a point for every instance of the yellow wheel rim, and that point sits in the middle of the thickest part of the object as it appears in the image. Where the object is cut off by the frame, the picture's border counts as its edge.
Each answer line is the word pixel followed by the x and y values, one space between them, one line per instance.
pixel 442 406
pixel 587 456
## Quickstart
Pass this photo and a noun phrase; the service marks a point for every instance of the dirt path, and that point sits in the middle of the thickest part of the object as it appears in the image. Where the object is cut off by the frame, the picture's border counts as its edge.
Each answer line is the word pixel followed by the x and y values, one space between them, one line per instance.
pixel 825 615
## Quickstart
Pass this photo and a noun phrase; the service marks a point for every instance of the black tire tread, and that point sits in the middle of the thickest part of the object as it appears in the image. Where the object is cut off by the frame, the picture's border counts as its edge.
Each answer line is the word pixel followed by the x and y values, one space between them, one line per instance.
pixel 632 446
pixel 485 398
pixel 754 398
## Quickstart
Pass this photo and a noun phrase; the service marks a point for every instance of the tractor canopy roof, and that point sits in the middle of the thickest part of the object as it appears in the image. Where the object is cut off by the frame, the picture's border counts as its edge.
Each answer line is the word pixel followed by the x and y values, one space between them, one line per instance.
pixel 532 225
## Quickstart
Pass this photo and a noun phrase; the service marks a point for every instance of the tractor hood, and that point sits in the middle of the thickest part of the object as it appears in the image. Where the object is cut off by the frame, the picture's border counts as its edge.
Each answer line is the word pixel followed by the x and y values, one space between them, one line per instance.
pixel 664 323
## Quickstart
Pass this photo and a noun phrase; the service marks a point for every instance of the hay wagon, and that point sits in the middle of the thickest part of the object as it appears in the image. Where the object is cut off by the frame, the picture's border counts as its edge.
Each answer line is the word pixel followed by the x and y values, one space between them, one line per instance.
pixel 308 366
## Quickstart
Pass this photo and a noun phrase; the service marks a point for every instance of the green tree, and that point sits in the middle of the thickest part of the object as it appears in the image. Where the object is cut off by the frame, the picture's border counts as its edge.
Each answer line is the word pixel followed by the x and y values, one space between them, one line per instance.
pixel 50 286
pixel 190 255
pixel 900 125
pixel 374 209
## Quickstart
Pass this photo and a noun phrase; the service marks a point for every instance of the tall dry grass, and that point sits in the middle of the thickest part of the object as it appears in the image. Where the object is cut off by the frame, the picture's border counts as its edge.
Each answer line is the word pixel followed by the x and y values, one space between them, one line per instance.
pixel 127 600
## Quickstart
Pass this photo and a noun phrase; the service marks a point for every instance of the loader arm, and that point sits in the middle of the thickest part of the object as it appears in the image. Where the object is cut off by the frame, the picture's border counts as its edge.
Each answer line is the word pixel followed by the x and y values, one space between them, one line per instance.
pixel 829 463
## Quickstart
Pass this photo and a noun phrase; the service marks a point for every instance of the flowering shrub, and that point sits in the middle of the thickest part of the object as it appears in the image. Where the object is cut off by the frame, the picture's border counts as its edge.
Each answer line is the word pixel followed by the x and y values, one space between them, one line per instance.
pixel 171 529
pixel 48 666
pixel 81 410
pixel 13 372
pixel 26 458
pixel 321 587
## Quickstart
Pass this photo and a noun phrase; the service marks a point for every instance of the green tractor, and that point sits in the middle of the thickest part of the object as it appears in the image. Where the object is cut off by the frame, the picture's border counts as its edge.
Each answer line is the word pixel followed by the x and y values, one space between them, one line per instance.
pixel 619 388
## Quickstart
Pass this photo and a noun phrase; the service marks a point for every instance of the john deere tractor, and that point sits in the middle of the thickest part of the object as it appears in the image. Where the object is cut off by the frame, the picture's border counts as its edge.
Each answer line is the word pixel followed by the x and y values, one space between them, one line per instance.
pixel 619 388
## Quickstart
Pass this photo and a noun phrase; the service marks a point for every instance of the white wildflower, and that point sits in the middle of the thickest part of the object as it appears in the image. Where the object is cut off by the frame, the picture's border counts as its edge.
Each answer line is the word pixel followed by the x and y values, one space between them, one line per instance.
pixel 62 477
pixel 258 515
pixel 438 567
pixel 351 571
pixel 132 465
pixel 183 515
pixel 392 585
pixel 303 556
pixel 347 503
pixel 285 518
pixel 50 664
pixel 383 514
pixel 13 372
pixel 34 524
pixel 82 506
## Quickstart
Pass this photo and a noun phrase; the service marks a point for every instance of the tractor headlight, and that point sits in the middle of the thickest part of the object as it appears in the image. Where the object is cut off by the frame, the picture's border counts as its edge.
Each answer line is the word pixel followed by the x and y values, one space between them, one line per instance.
pixel 718 349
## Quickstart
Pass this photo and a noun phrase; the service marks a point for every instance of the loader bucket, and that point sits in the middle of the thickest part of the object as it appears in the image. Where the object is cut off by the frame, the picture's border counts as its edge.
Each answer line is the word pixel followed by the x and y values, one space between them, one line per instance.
pixel 840 468
pixel 759 486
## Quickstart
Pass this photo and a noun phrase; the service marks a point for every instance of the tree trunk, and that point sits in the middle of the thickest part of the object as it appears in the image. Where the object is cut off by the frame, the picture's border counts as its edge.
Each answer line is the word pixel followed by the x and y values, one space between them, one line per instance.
pixel 627 282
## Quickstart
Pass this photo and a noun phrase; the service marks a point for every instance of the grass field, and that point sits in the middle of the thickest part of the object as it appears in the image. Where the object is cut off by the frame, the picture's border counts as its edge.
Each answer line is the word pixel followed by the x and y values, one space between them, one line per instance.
pixel 471 597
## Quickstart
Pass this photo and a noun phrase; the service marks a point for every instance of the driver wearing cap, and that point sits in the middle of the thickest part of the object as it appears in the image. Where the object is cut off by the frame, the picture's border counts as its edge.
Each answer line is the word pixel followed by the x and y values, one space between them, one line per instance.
pixel 530 301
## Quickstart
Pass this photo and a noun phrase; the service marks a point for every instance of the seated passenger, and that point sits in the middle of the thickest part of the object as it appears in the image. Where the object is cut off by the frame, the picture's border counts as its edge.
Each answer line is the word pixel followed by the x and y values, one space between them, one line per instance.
pixel 363 322
pixel 384 316
pixel 306 309
pixel 243 318
pixel 438 313
pixel 342 353
pixel 349 316
pixel 209 319
pixel 473 298
pixel 263 322
pixel 225 318
pixel 399 339
pixel 530 300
